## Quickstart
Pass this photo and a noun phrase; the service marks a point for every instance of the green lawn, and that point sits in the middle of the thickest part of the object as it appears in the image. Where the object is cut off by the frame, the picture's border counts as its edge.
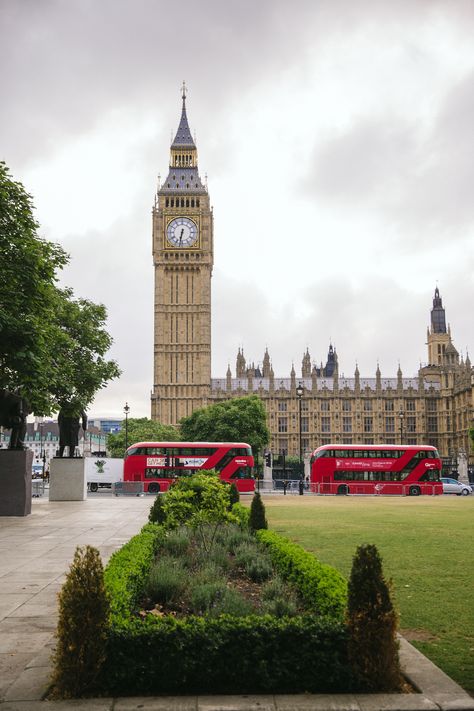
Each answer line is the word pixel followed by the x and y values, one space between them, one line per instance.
pixel 427 547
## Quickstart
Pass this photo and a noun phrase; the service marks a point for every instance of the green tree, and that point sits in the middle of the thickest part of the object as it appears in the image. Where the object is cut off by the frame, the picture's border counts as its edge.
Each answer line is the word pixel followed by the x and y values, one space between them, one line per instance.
pixel 28 265
pixel 241 419
pixel 52 346
pixel 140 429
pixel 79 343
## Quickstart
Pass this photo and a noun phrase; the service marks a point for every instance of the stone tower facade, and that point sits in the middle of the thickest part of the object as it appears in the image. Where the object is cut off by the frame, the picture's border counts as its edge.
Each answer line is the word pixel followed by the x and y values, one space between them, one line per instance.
pixel 183 258
pixel 438 336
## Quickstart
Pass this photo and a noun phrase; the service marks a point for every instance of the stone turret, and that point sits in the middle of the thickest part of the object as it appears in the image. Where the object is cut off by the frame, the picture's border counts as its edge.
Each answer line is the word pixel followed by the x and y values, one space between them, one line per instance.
pixel 306 365
pixel 266 364
pixel 240 365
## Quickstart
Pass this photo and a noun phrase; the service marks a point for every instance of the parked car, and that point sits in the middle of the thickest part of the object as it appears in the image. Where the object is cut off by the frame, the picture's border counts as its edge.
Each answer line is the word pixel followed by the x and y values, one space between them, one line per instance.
pixel 452 486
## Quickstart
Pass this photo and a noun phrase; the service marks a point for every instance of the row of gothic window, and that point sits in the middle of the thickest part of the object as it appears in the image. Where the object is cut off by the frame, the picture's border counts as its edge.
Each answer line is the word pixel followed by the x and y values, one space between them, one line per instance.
pixel 389 405
pixel 182 202
pixel 183 160
pixel 347 425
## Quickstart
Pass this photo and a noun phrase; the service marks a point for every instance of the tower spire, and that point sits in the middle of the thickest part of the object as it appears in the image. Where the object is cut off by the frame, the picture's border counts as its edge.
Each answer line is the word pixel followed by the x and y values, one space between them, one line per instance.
pixel 183 138
pixel 438 317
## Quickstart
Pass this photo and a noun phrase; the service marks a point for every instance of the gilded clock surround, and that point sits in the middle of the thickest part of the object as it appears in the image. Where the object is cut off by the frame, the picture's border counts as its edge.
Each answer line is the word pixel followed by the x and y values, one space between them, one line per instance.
pixel 168 219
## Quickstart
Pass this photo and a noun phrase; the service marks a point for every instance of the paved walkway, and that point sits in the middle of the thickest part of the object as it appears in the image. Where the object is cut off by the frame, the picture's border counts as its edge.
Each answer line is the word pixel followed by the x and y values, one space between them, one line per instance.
pixel 36 552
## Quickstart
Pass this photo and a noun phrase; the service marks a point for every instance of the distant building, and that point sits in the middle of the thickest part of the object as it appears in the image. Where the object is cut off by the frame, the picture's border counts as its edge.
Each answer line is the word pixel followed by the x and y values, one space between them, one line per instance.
pixel 108 425
pixel 42 438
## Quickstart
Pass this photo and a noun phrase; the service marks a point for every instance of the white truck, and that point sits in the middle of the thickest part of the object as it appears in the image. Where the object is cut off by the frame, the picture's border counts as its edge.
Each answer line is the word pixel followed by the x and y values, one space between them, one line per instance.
pixel 102 472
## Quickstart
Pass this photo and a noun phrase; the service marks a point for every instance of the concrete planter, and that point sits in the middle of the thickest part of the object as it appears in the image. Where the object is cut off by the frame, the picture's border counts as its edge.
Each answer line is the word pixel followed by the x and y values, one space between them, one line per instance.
pixel 15 482
pixel 67 480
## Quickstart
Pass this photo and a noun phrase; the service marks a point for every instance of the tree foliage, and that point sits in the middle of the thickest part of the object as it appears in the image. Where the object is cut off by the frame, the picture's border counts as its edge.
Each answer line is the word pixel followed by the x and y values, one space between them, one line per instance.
pixel 140 429
pixel 201 501
pixel 241 419
pixel 52 346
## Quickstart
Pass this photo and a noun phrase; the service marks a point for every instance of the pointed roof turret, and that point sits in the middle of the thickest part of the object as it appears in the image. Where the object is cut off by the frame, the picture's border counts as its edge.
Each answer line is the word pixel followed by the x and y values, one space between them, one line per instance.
pixel 438 316
pixel 183 176
pixel 183 138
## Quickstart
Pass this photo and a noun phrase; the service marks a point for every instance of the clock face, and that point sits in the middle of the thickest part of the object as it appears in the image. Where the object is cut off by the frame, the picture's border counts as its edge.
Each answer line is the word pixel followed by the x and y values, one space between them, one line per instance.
pixel 182 232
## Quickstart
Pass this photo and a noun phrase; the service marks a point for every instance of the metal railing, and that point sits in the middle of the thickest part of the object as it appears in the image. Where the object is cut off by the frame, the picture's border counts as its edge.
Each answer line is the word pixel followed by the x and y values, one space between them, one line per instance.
pixel 292 486
pixel 128 488
pixel 37 488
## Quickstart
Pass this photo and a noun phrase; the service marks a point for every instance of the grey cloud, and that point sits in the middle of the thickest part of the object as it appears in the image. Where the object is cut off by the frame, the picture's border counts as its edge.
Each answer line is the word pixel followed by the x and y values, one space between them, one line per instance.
pixel 416 179
pixel 367 163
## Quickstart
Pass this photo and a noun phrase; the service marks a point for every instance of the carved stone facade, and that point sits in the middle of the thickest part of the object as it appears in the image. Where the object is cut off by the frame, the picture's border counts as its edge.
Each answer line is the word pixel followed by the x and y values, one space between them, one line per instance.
pixel 434 407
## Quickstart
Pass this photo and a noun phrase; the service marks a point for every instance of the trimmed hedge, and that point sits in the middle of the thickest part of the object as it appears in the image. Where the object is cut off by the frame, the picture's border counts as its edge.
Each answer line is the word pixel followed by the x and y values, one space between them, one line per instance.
pixel 126 573
pixel 228 655
pixel 254 654
pixel 323 588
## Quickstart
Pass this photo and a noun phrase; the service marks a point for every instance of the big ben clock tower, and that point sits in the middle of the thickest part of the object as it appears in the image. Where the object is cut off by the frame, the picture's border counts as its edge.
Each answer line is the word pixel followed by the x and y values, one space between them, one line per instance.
pixel 183 259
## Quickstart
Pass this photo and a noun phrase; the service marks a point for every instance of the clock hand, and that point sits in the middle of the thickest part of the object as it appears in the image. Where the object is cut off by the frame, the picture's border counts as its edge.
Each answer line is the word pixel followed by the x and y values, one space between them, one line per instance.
pixel 181 235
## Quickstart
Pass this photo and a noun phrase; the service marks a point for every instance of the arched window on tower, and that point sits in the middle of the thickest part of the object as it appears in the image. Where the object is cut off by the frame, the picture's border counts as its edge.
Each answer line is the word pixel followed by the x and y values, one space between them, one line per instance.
pixel 192 202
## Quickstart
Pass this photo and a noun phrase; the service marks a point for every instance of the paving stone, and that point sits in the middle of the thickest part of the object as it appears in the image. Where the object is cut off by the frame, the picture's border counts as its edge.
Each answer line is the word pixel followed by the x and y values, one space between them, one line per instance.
pixel 105 704
pixel 316 702
pixel 157 703
pixel 11 666
pixel 395 702
pixel 236 703
pixel 23 641
pixel 32 684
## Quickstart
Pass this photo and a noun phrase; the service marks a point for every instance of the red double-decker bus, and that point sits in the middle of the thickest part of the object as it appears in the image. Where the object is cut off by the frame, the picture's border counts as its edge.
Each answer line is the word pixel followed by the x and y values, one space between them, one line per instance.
pixel 158 464
pixel 408 470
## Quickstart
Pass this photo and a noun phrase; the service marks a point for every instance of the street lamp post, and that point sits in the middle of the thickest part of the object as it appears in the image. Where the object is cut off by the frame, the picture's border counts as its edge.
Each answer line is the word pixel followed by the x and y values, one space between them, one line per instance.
pixel 126 409
pixel 41 438
pixel 299 394
pixel 401 416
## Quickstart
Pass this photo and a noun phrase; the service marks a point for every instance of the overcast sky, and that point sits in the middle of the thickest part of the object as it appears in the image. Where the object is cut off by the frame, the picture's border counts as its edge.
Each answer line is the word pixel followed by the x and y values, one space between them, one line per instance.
pixel 338 140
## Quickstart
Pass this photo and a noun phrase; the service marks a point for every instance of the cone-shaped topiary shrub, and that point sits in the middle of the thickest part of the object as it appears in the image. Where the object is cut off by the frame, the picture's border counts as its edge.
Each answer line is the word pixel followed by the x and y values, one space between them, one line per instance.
pixel 372 623
pixel 82 626
pixel 157 513
pixel 257 513
pixel 234 495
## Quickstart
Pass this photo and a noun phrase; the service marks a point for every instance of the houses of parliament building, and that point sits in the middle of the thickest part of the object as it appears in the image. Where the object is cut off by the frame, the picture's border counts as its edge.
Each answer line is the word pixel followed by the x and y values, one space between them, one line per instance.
pixel 435 407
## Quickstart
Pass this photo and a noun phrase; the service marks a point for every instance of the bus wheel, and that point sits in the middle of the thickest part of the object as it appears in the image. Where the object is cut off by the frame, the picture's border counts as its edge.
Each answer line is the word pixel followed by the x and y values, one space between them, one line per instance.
pixel 153 488
pixel 343 489
pixel 94 486
pixel 414 491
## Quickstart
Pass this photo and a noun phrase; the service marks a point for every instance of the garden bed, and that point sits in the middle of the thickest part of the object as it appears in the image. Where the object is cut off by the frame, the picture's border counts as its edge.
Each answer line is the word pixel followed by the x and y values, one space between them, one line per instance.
pixel 206 600
pixel 169 651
